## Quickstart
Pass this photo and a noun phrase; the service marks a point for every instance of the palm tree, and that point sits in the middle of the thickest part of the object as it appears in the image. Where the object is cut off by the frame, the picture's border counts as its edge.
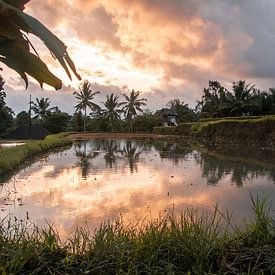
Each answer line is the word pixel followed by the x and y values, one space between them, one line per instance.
pixel 132 106
pixel 182 109
pixel 41 108
pixel 112 111
pixel 214 102
pixel 242 98
pixel 85 95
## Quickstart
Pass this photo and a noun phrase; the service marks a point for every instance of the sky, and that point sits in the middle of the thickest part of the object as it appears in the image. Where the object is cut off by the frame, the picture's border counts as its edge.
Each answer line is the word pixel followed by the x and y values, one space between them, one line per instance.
pixel 166 49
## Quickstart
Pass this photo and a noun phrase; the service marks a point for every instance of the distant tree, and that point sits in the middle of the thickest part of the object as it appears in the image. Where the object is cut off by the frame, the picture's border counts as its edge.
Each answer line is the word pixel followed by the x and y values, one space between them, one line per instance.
pixel 6 113
pixel 132 106
pixel 84 96
pixel 215 101
pixel 2 92
pixel 42 108
pixel 182 109
pixel 241 100
pixel 112 110
pixel 6 119
pixel 57 122
pixel 146 122
pixel 22 118
pixel 77 121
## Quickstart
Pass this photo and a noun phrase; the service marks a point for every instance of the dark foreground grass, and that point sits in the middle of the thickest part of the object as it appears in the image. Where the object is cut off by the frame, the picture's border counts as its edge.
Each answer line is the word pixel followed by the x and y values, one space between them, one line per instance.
pixel 188 243
pixel 12 157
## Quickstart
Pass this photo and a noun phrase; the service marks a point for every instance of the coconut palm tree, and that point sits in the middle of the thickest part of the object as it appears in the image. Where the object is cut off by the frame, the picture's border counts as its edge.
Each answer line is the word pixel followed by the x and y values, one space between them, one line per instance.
pixel 85 95
pixel 111 111
pixel 241 100
pixel 42 108
pixel 132 106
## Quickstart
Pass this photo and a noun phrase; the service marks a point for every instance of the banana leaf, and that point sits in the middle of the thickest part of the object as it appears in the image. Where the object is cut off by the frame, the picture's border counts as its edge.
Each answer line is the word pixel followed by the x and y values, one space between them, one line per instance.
pixel 14 45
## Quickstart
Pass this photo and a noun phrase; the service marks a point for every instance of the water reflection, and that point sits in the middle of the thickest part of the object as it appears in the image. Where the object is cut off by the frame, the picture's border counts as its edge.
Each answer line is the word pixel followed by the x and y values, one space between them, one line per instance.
pixel 11 144
pixel 100 179
pixel 132 152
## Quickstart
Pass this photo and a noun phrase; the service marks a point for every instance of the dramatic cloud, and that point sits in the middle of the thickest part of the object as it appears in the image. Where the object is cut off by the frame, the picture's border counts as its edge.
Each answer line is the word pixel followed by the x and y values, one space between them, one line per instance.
pixel 167 48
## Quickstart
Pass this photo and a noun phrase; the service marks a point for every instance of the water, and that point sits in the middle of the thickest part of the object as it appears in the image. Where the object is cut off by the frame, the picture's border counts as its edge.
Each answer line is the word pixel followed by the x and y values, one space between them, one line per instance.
pixel 98 180
pixel 11 144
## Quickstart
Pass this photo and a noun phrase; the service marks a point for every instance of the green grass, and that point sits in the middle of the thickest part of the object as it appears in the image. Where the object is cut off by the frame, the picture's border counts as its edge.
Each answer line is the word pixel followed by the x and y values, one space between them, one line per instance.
pixel 235 118
pixel 187 243
pixel 240 128
pixel 12 157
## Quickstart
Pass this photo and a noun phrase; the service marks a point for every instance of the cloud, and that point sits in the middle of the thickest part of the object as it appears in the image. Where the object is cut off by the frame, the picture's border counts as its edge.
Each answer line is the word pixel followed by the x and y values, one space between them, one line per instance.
pixel 179 44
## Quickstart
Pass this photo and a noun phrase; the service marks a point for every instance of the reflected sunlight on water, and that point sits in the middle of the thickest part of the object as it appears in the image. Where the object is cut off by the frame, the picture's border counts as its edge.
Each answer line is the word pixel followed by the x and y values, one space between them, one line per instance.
pixel 11 144
pixel 98 180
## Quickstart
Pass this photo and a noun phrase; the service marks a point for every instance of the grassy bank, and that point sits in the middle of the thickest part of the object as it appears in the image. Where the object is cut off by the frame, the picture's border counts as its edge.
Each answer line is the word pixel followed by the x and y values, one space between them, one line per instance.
pixel 250 130
pixel 188 243
pixel 12 157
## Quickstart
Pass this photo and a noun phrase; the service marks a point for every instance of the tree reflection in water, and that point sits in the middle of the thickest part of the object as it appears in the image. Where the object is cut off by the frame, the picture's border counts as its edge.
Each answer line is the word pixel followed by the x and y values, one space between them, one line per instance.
pixel 111 148
pixel 238 165
pixel 85 157
pixel 132 152
pixel 216 166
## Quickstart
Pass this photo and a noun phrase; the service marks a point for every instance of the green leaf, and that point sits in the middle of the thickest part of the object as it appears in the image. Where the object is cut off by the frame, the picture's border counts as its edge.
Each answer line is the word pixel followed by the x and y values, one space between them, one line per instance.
pixel 22 61
pixel 12 22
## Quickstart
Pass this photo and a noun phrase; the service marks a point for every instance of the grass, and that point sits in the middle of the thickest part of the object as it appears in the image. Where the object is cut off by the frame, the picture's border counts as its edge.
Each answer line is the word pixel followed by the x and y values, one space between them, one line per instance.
pixel 187 243
pixel 235 118
pixel 252 130
pixel 12 157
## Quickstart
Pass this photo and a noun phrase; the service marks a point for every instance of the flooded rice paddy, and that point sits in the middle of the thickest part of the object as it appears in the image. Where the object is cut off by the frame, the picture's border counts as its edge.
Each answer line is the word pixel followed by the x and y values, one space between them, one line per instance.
pixel 105 179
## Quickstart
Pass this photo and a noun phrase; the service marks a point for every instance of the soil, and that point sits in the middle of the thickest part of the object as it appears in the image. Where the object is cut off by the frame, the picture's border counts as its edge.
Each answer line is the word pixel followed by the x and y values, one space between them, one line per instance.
pixel 87 135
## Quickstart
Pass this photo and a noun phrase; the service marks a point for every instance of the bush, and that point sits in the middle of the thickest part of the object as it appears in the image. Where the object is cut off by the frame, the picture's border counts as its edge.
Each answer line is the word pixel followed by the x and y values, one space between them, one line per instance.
pixel 57 122
pixel 146 123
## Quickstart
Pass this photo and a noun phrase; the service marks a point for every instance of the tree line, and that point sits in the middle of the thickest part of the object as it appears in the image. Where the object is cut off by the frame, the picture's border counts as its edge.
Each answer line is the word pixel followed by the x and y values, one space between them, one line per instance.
pixel 129 114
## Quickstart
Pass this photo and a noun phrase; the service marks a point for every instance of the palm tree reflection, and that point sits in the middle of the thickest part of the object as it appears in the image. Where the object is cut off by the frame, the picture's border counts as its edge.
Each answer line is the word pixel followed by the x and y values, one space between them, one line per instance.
pixel 111 147
pixel 132 152
pixel 85 157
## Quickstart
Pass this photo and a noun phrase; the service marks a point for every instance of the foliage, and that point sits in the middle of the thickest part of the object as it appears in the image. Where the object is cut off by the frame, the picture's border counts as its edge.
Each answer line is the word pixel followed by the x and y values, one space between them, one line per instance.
pixel 57 122
pixel 100 124
pixel 6 113
pixel 214 101
pixel 22 118
pixel 185 114
pixel 244 100
pixel 132 106
pixel 111 112
pixel 77 121
pixel 184 243
pixel 6 119
pixel 146 122
pixel 42 108
pixel 15 46
pixel 85 97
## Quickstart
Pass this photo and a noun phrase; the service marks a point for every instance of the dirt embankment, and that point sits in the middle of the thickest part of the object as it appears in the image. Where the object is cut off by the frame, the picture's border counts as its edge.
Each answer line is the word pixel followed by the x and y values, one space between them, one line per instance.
pixel 250 131
pixel 87 135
